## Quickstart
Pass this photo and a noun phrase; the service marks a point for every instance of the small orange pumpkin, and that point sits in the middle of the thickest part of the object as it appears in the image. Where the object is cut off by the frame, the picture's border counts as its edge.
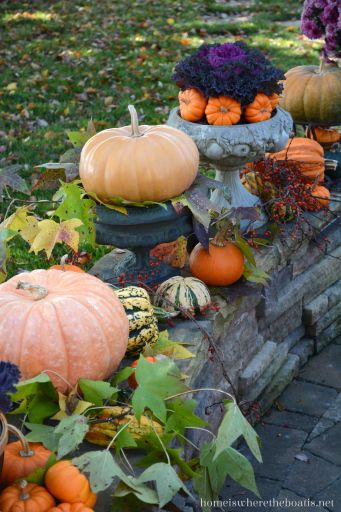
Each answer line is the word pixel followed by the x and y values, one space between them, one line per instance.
pixel 192 104
pixel 322 195
pixel 68 484
pixel 259 110
pixel 274 100
pixel 22 458
pixel 26 497
pixel 71 507
pixel 223 111
pixel 324 136
pixel 63 266
pixel 221 266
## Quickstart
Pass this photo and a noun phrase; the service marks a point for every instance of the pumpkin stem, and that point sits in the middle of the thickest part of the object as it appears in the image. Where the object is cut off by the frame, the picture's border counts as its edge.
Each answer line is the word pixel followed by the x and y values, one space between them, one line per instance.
pixel 24 495
pixel 222 236
pixel 63 260
pixel 37 291
pixel 26 451
pixel 135 132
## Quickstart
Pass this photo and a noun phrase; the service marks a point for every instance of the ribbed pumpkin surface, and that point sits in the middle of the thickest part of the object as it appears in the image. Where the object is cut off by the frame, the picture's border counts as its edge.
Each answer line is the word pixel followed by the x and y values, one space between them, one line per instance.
pixel 139 163
pixel 142 321
pixel 79 329
pixel 187 292
pixel 312 94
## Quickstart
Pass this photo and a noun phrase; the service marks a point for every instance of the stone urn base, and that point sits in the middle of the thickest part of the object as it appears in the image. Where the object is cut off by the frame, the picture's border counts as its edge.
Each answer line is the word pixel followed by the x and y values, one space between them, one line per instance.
pixel 134 235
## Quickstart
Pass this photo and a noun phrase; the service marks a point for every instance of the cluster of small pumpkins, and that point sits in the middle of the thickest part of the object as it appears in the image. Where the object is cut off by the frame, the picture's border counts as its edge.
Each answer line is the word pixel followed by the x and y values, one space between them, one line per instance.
pixel 225 110
pixel 63 482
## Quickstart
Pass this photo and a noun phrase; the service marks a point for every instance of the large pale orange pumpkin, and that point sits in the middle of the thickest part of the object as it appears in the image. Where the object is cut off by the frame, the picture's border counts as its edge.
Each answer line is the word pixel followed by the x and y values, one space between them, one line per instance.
pixel 312 94
pixel 138 163
pixel 308 153
pixel 192 104
pixel 223 111
pixel 67 322
pixel 25 497
pixel 68 484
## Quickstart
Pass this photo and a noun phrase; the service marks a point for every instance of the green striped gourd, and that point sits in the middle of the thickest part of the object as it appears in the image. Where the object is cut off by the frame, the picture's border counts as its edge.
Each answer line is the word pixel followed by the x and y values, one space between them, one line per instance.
pixel 189 293
pixel 143 327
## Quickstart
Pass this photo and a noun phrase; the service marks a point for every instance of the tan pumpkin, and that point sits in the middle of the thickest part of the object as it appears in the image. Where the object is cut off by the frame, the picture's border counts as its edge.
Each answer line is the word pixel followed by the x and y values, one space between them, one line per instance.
pixel 67 322
pixel 308 153
pixel 312 94
pixel 68 484
pixel 259 110
pixel 138 163
pixel 324 136
pixel 26 497
pixel 223 111
pixel 192 104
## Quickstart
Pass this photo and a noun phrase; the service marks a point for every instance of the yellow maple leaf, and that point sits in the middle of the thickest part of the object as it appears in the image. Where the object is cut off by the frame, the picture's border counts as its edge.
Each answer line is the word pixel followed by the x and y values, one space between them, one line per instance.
pixel 21 222
pixel 50 233
pixel 70 405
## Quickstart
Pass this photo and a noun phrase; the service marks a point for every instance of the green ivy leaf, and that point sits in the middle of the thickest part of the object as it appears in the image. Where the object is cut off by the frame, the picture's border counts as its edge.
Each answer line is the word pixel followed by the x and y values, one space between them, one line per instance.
pixel 255 274
pixel 182 416
pixel 166 481
pixel 245 248
pixel 155 382
pixel 169 348
pixel 75 206
pixel 239 468
pixel 43 434
pixel 38 397
pixel 141 492
pixel 233 426
pixel 71 432
pixel 124 440
pixel 101 467
pixel 122 375
pixel 96 391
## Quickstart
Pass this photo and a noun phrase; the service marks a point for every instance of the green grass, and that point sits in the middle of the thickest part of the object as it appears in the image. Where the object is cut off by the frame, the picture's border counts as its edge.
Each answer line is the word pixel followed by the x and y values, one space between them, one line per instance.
pixel 71 61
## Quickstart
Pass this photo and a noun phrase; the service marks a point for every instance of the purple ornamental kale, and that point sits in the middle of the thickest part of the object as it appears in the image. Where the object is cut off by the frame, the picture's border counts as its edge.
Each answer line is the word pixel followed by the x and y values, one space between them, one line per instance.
pixel 322 18
pixel 9 376
pixel 230 69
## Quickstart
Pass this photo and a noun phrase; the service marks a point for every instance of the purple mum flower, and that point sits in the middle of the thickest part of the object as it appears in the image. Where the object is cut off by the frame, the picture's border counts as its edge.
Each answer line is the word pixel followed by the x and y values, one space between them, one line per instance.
pixel 9 376
pixel 323 18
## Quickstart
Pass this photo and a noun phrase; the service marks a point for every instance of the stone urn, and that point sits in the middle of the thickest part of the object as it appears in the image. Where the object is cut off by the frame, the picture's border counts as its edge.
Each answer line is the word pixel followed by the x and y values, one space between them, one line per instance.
pixel 229 148
pixel 134 235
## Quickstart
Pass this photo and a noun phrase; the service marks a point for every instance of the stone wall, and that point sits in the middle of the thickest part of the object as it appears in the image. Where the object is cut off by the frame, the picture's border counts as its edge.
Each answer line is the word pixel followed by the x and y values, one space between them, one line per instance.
pixel 265 334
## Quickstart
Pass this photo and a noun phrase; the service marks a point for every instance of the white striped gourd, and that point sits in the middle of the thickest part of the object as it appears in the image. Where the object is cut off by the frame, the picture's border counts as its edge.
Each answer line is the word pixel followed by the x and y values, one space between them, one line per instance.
pixel 189 293
pixel 143 327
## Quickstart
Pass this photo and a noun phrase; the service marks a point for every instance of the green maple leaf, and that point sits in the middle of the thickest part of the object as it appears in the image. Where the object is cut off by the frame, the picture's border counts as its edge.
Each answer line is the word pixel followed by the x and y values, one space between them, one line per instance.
pixel 156 382
pixel 182 416
pixel 72 431
pixel 233 426
pixel 75 206
pixel 96 391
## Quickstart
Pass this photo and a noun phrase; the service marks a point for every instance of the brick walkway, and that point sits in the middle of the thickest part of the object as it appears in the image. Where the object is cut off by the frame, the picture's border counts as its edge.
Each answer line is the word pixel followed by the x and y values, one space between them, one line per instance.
pixel 301 441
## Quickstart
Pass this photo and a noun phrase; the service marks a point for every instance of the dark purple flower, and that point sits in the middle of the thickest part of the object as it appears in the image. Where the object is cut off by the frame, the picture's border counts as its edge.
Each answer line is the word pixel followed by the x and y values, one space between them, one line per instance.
pixel 322 18
pixel 9 376
pixel 310 29
pixel 230 69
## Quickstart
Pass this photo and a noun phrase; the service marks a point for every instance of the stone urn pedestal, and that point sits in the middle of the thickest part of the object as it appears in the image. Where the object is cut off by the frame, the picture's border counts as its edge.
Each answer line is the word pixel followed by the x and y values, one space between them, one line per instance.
pixel 134 235
pixel 229 148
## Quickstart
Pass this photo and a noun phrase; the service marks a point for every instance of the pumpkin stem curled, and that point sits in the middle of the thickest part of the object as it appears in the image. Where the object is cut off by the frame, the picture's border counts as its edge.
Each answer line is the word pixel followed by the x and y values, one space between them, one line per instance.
pixel 24 495
pixel 63 260
pixel 37 291
pixel 26 451
pixel 135 132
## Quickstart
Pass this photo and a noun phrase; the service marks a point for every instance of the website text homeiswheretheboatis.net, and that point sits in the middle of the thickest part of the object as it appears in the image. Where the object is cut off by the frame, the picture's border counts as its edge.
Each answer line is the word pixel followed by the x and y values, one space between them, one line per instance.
pixel 231 505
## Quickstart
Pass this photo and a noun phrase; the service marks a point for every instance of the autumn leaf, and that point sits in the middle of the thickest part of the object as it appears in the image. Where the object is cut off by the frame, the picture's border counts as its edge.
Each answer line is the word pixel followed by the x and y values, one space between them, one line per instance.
pixel 50 233
pixel 70 405
pixel 9 177
pixel 21 222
